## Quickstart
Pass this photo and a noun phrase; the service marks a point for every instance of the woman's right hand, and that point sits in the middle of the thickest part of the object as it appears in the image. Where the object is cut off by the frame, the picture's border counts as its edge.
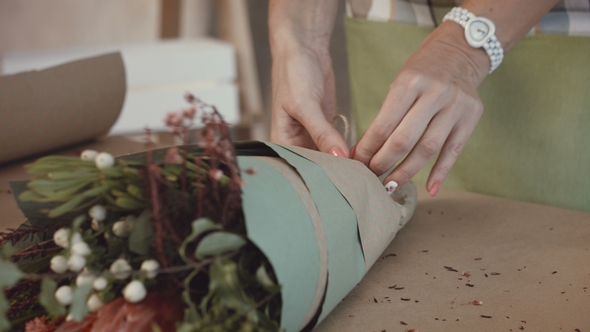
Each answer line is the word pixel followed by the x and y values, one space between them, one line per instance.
pixel 304 101
pixel 304 93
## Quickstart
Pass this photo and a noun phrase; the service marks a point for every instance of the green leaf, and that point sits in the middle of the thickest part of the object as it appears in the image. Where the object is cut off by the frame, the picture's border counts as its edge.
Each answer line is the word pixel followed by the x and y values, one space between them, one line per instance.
pixel 218 243
pixel 112 171
pixel 142 234
pixel 54 185
pixel 92 192
pixel 129 203
pixel 4 305
pixel 47 298
pixel 66 207
pixel 72 175
pixel 78 308
pixel 199 226
pixel 190 313
pixel 9 274
pixel 62 193
pixel 263 277
pixel 135 191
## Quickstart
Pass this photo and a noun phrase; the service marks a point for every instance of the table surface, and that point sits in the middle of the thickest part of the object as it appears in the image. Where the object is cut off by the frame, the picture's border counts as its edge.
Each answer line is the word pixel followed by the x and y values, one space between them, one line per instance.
pixel 529 264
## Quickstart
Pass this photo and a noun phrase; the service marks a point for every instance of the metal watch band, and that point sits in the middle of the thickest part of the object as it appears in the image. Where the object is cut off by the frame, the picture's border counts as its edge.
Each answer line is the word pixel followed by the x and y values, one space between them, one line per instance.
pixel 479 32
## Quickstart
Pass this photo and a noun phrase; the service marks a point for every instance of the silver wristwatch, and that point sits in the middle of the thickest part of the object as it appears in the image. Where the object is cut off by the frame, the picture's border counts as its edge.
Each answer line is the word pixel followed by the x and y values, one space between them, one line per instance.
pixel 479 32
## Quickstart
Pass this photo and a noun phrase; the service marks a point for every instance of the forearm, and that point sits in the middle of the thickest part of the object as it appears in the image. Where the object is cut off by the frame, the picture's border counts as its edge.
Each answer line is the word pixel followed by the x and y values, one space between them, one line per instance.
pixel 513 18
pixel 306 23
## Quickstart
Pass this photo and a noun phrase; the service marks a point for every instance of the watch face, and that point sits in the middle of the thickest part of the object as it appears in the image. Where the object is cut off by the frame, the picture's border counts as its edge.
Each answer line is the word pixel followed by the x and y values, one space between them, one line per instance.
pixel 478 30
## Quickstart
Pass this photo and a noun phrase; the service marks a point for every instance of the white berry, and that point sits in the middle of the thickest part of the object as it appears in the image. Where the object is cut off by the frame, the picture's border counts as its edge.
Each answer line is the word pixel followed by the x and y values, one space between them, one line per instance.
pixel 121 229
pixel 151 267
pixel 76 263
pixel 121 269
pixel 59 264
pixel 94 303
pixel 60 237
pixel 64 295
pixel 97 225
pixel 134 291
pixel 104 160
pixel 89 155
pixel 100 283
pixel 85 278
pixel 80 248
pixel 98 212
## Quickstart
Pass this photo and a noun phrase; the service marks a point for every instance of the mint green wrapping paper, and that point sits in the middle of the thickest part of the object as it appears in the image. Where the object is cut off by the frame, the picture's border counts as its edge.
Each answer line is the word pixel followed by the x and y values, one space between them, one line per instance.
pixel 322 221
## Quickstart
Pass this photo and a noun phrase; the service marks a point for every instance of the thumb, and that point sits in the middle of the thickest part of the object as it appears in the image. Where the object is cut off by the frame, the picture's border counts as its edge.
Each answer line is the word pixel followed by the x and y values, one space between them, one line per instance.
pixel 324 135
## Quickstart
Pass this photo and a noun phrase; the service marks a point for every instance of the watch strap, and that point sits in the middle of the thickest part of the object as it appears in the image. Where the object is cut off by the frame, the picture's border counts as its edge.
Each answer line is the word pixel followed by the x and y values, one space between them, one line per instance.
pixel 488 41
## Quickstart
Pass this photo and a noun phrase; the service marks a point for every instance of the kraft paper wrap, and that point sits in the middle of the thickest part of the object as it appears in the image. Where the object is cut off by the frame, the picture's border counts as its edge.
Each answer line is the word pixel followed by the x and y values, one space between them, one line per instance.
pixel 52 108
pixel 322 221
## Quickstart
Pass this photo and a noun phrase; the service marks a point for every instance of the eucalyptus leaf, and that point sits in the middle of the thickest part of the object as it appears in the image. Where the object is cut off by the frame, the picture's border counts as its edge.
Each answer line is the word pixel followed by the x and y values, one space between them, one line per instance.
pixel 9 274
pixel 78 308
pixel 199 226
pixel 218 243
pixel 142 234
pixel 263 277
pixel 47 298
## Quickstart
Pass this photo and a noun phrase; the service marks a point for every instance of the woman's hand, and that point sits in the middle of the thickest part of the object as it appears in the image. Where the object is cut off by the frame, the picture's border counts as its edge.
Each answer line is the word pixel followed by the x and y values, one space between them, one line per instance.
pixel 431 107
pixel 304 101
pixel 304 94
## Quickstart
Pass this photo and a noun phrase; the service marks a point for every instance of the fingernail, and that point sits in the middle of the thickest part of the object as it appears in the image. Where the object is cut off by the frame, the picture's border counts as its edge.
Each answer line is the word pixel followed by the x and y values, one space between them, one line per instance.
pixel 338 152
pixel 352 151
pixel 434 189
pixel 390 187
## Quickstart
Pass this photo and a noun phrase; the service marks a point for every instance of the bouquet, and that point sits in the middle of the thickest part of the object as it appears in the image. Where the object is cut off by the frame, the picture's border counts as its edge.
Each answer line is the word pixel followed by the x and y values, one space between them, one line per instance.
pixel 217 236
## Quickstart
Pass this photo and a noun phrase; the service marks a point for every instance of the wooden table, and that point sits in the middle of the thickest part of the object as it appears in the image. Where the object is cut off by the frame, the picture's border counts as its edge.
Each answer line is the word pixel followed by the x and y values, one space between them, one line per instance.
pixel 529 264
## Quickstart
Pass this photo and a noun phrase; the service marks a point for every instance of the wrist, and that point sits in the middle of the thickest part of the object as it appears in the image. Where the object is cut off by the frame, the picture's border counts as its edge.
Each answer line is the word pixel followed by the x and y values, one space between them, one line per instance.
pixel 301 24
pixel 477 60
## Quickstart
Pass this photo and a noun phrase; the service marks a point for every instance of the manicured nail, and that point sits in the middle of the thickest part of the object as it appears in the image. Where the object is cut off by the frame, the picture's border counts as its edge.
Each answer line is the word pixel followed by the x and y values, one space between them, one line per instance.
pixel 352 151
pixel 434 189
pixel 390 187
pixel 338 152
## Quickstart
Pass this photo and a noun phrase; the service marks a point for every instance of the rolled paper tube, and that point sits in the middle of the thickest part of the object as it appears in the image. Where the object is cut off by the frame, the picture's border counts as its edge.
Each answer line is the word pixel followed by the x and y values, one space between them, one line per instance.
pixel 60 106
pixel 304 208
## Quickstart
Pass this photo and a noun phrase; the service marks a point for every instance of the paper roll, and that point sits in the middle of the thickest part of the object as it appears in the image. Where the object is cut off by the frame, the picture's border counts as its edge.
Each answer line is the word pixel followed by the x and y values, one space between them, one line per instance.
pixel 59 106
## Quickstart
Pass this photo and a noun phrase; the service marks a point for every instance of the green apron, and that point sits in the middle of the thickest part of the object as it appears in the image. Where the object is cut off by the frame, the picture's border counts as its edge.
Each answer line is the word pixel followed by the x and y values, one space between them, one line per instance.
pixel 533 140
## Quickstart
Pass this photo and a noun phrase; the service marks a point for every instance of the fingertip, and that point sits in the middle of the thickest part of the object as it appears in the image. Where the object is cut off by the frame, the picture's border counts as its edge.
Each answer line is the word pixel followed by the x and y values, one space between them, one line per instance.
pixel 434 189
pixel 352 152
pixel 338 152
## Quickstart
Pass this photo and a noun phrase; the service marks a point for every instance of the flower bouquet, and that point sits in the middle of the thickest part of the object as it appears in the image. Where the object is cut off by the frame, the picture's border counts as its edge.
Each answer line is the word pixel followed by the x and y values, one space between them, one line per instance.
pixel 217 236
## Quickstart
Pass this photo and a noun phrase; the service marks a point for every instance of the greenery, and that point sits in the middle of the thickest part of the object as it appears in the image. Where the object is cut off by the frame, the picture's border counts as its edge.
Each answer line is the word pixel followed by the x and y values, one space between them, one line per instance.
pixel 170 223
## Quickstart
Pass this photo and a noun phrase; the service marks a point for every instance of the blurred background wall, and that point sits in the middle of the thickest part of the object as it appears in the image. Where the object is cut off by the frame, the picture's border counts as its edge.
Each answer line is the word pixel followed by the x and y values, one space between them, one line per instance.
pixel 46 24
